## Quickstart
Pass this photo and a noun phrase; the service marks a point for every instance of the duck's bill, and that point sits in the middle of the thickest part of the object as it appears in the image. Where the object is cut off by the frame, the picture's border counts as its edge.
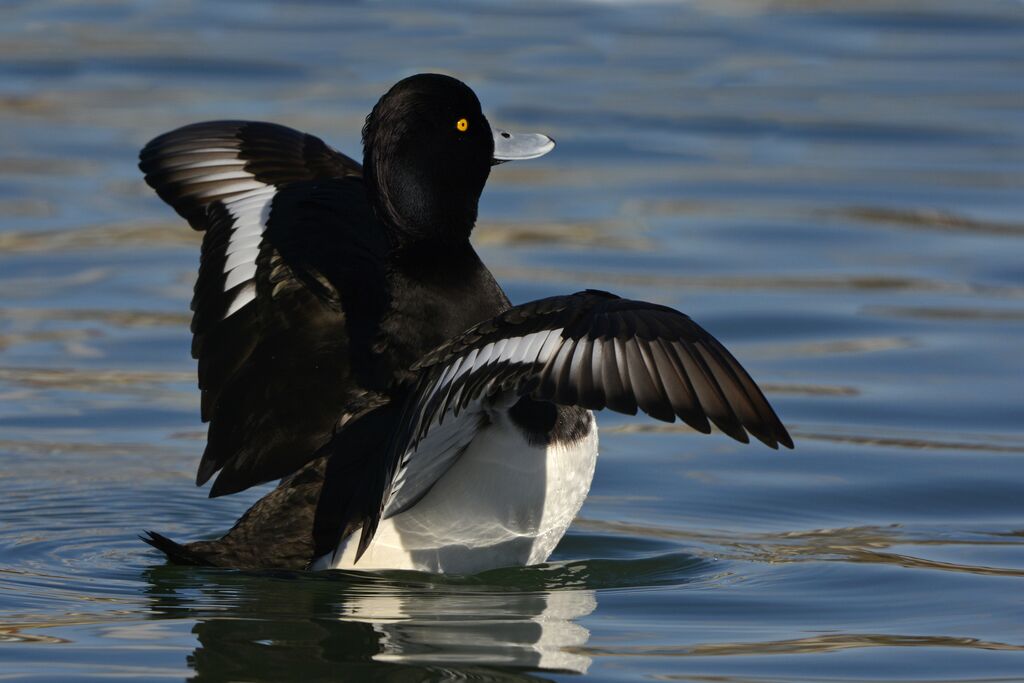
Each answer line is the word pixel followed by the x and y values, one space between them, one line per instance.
pixel 520 146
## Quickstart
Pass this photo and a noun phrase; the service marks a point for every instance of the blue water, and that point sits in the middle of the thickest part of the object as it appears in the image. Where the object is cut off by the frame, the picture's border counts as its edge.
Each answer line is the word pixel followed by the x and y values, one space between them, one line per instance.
pixel 835 189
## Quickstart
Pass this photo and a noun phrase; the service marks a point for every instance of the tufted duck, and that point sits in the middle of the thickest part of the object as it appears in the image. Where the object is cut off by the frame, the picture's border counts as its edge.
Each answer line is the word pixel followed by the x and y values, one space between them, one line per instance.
pixel 351 343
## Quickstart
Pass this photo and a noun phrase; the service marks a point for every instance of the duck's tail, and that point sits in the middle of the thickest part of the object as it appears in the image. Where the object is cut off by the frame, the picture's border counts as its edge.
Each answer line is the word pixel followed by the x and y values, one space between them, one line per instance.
pixel 175 552
pixel 307 515
pixel 275 533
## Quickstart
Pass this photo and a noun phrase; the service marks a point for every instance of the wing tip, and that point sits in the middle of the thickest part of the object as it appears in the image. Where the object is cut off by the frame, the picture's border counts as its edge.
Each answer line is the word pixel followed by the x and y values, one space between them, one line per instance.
pixel 224 486
pixel 227 482
pixel 774 437
pixel 365 538
pixel 206 470
pixel 736 432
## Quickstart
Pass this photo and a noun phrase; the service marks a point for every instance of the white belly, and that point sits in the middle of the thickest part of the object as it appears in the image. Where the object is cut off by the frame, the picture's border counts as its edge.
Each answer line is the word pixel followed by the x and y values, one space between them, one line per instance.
pixel 503 503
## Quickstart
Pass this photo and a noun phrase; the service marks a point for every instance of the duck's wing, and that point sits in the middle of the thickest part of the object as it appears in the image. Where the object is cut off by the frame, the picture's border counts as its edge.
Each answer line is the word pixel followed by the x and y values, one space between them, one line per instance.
pixel 286 252
pixel 595 350
pixel 591 349
pixel 196 165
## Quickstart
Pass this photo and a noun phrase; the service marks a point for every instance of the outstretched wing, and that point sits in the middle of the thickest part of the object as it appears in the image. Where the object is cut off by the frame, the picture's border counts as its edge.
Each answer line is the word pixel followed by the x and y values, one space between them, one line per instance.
pixel 591 350
pixel 285 241
pixel 595 350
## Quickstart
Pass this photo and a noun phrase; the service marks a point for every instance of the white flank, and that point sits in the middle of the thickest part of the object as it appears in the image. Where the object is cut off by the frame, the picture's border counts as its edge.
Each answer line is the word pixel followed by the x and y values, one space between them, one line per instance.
pixel 503 503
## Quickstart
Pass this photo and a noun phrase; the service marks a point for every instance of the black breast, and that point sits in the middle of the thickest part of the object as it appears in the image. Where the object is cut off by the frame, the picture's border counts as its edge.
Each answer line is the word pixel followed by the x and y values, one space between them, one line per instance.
pixel 433 298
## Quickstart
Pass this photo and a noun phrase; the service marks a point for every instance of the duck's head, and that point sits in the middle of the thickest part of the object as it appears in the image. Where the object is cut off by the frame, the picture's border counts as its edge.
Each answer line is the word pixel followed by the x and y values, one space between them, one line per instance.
pixel 427 152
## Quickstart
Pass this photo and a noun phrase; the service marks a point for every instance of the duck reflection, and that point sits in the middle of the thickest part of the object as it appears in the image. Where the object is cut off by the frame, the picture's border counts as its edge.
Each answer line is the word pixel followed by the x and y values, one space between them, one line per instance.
pixel 352 626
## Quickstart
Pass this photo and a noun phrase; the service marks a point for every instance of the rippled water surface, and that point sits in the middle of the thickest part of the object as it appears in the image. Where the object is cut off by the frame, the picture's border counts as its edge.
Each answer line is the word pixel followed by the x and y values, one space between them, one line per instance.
pixel 834 189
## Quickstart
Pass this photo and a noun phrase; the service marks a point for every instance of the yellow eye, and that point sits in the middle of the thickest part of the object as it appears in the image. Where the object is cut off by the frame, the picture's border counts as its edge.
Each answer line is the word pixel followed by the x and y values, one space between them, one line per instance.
pixel 462 125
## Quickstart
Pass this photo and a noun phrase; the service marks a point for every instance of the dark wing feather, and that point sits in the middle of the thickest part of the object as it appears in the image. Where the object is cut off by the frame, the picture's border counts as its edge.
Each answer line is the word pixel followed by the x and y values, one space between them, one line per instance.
pixel 280 302
pixel 595 350
pixel 193 166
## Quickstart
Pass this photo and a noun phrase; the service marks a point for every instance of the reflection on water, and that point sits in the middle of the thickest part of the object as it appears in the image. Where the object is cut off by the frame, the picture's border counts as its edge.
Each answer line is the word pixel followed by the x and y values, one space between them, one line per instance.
pixel 259 626
pixel 832 188
pixel 533 631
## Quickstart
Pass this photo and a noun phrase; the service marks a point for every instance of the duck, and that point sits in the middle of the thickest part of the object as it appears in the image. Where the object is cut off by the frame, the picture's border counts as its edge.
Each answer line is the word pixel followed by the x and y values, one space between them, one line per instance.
pixel 353 347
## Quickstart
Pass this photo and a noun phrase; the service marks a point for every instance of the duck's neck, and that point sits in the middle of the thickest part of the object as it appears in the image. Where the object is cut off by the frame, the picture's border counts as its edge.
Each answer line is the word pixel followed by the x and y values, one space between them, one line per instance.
pixel 425 207
pixel 433 299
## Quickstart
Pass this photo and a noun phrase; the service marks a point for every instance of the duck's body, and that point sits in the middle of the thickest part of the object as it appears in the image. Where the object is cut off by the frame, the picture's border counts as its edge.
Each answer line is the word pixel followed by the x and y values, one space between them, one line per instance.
pixel 351 341
pixel 506 501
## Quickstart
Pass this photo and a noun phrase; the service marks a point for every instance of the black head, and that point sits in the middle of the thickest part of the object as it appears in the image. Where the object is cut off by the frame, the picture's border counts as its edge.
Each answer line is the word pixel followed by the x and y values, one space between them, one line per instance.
pixel 427 152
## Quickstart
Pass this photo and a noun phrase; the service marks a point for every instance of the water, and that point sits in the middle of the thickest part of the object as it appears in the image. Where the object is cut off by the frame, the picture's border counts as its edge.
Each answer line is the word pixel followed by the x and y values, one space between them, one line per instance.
pixel 832 188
